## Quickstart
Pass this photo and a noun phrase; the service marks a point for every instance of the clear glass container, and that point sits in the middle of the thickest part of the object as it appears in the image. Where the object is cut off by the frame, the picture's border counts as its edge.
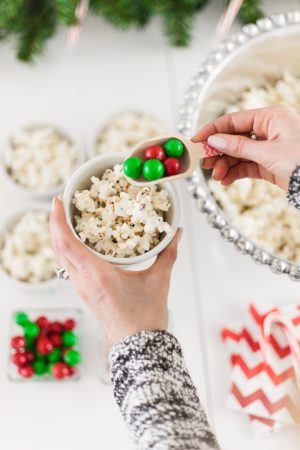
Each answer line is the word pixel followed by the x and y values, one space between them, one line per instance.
pixel 53 315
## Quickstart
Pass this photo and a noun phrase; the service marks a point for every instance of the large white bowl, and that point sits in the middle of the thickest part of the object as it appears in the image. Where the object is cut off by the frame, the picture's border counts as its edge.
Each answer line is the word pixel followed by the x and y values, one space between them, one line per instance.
pixel 81 179
pixel 250 57
pixel 33 192
pixel 6 224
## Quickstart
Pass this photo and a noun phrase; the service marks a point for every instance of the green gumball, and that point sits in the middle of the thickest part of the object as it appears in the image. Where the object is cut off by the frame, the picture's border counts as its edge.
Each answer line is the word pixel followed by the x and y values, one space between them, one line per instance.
pixel 31 330
pixel 72 357
pixel 153 169
pixel 133 167
pixel 49 368
pixel 39 367
pixel 55 355
pixel 30 343
pixel 69 338
pixel 174 148
pixel 21 318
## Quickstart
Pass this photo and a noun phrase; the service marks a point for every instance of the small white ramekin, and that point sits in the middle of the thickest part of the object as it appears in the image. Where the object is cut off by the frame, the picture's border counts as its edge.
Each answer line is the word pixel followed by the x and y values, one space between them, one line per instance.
pixel 81 179
pixel 6 224
pixel 32 192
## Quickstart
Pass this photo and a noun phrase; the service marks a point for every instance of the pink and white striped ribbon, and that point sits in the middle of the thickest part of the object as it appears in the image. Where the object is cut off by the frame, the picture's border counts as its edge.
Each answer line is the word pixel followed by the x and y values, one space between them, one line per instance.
pixel 228 17
pixel 80 13
pixel 276 317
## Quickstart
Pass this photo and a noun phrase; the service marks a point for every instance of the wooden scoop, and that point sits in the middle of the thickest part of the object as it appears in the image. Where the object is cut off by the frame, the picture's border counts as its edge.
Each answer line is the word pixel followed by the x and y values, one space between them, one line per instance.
pixel 193 152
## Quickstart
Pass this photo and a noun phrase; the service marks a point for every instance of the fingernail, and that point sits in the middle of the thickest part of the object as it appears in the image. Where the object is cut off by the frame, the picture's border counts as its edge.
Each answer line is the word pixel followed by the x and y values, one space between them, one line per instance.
pixel 213 173
pixel 179 235
pixel 60 196
pixel 53 204
pixel 217 142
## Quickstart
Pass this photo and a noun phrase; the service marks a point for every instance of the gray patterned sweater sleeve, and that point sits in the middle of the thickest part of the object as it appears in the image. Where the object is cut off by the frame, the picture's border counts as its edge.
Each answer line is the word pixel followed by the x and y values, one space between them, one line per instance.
pixel 293 194
pixel 156 394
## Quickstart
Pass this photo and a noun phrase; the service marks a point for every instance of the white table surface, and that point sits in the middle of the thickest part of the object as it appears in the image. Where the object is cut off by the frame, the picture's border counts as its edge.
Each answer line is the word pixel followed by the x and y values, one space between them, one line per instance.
pixel 80 89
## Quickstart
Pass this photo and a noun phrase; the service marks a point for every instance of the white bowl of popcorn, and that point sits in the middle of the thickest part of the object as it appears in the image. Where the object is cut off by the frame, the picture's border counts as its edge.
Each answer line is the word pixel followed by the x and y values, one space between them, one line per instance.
pixel 26 256
pixel 124 131
pixel 121 223
pixel 38 160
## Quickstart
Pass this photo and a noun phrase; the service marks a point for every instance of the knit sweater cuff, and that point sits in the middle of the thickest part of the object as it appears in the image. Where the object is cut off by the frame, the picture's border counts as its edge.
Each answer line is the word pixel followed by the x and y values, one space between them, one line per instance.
pixel 293 194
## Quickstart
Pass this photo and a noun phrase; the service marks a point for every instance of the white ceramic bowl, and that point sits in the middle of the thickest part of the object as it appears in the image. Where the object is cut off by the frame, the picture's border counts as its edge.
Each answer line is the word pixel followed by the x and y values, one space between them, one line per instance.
pixel 7 223
pixel 31 192
pixel 93 143
pixel 81 180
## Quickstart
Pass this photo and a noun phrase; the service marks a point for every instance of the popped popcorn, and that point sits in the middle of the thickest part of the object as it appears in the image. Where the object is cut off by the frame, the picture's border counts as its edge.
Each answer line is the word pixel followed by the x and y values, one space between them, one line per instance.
pixel 25 248
pixel 255 207
pixel 40 158
pixel 260 211
pixel 284 90
pixel 117 219
pixel 127 130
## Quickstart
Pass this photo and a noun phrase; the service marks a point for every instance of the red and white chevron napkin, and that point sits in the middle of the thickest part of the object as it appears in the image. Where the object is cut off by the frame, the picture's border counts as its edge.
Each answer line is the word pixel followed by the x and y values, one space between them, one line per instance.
pixel 265 358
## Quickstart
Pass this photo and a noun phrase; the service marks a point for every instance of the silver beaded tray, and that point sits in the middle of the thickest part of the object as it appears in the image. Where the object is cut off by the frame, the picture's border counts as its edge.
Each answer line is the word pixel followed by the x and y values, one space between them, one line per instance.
pixel 248 57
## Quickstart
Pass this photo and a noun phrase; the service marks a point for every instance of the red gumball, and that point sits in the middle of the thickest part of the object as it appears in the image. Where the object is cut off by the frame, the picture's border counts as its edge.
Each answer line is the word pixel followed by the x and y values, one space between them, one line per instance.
pixel 29 355
pixel 26 371
pixel 44 345
pixel 60 370
pixel 69 324
pixel 19 359
pixel 155 152
pixel 55 338
pixel 72 371
pixel 42 322
pixel 18 342
pixel 56 327
pixel 172 166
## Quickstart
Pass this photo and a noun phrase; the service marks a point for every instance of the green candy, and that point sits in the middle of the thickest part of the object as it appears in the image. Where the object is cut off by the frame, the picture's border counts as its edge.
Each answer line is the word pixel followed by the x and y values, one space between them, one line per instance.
pixel 72 358
pixel 21 318
pixel 54 356
pixel 31 330
pixel 30 344
pixel 40 357
pixel 39 367
pixel 133 167
pixel 49 368
pixel 174 148
pixel 69 338
pixel 153 169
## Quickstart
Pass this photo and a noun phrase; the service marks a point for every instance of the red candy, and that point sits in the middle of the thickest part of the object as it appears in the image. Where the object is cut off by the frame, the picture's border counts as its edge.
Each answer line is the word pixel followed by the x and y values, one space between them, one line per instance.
pixel 42 322
pixel 72 370
pixel 29 356
pixel 33 356
pixel 60 370
pixel 18 342
pixel 19 359
pixel 56 327
pixel 155 152
pixel 172 166
pixel 44 345
pixel 26 371
pixel 56 340
pixel 69 324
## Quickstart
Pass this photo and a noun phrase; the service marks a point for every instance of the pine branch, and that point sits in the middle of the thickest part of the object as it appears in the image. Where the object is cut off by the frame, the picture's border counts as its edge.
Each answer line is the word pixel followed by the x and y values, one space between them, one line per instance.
pixel 250 11
pixel 122 13
pixel 38 23
pixel 66 11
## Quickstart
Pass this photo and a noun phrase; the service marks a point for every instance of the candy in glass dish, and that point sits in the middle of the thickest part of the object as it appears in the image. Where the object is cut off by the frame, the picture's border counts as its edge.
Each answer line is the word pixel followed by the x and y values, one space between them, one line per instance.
pixel 44 345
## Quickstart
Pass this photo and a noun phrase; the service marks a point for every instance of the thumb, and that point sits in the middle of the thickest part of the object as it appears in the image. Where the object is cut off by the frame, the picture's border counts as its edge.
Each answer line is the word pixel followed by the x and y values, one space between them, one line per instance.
pixel 166 259
pixel 240 147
